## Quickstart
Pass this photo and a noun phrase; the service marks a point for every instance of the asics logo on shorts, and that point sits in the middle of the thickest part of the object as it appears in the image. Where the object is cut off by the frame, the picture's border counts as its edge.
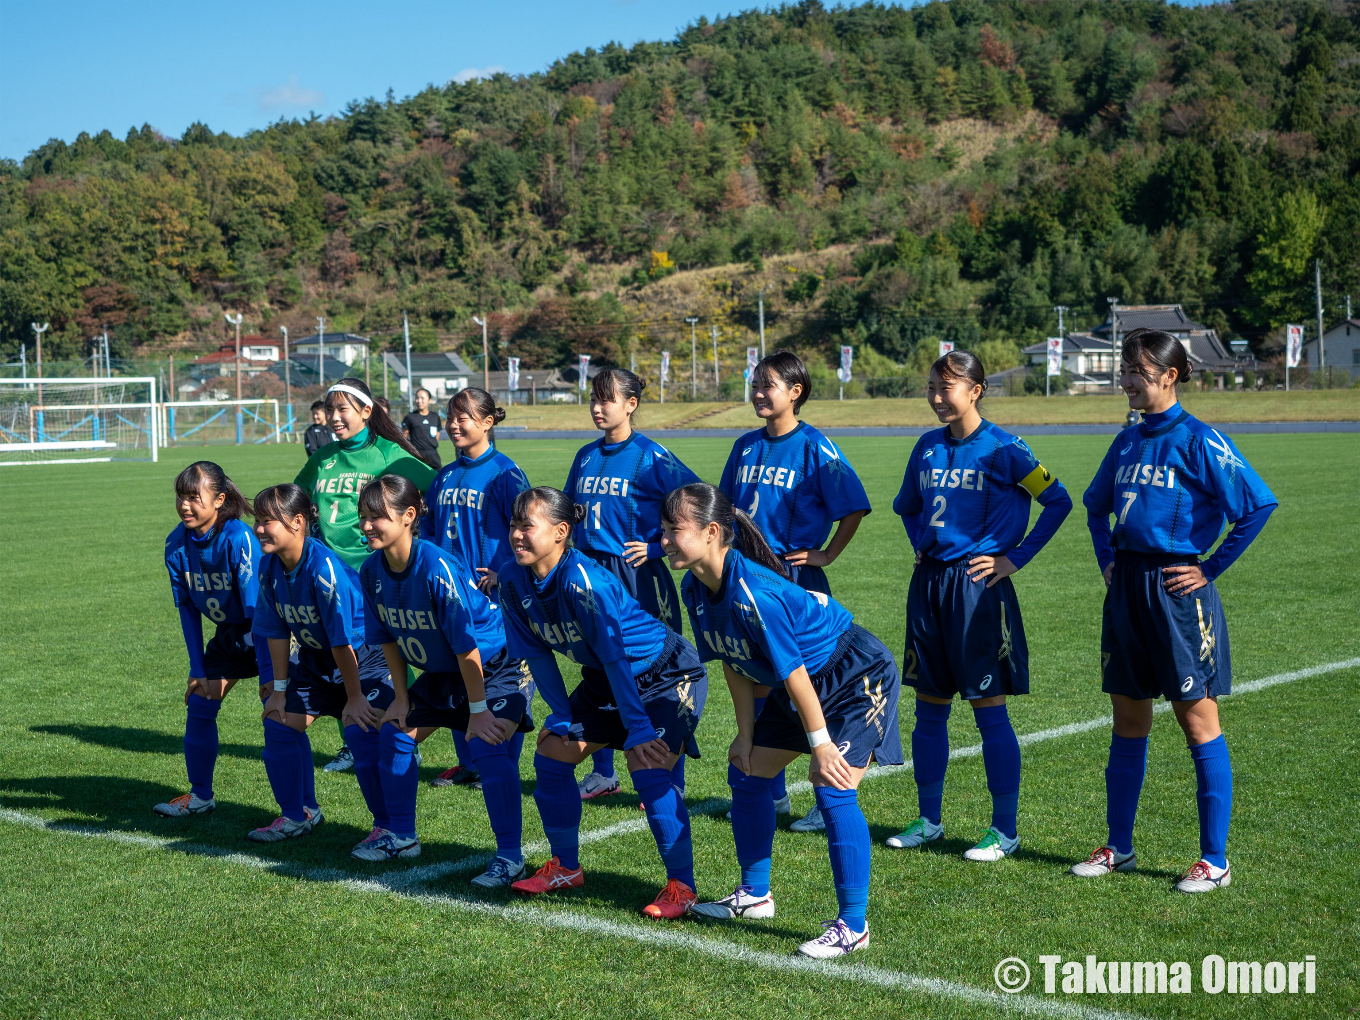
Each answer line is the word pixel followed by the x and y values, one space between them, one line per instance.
pixel 498 705
pixel 843 747
pixel 986 682
pixel 1186 684
pixel 373 694
pixel 660 733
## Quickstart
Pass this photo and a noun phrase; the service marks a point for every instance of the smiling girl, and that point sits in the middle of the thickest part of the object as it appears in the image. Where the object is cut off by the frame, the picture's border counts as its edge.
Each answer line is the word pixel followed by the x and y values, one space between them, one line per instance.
pixel 642 692
pixel 965 502
pixel 621 479
pixel 835 699
pixel 214 565
pixel 308 593
pixel 368 444
pixel 423 607
pixel 1170 482
pixel 793 483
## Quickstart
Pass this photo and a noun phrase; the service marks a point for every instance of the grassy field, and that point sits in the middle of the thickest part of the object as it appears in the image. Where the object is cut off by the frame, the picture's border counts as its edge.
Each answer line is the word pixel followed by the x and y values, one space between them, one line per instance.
pixel 111 912
pixel 1271 405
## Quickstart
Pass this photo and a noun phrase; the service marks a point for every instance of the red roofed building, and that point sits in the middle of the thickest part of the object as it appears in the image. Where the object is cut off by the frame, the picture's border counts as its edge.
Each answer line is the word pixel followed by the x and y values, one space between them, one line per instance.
pixel 257 354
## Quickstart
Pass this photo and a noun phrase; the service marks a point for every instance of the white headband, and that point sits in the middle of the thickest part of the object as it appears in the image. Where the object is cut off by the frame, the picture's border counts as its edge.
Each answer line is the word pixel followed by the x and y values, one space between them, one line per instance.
pixel 342 388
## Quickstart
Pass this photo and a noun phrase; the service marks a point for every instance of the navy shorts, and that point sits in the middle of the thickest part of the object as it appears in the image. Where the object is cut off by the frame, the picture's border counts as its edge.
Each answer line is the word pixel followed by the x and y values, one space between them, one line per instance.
pixel 440 699
pixel 673 693
pixel 315 686
pixel 962 637
pixel 808 578
pixel 859 689
pixel 230 653
pixel 1154 643
pixel 650 584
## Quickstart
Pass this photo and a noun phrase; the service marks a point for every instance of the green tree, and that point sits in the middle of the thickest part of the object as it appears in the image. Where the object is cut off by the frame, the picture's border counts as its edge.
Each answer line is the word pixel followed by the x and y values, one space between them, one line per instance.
pixel 1283 261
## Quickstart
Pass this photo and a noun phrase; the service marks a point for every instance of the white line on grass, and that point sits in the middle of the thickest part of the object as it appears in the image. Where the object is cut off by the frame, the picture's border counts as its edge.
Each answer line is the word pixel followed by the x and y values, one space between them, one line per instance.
pixel 407 885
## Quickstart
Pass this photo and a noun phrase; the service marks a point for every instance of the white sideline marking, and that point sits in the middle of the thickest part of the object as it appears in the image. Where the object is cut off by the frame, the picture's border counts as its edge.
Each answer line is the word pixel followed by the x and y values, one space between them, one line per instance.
pixel 406 885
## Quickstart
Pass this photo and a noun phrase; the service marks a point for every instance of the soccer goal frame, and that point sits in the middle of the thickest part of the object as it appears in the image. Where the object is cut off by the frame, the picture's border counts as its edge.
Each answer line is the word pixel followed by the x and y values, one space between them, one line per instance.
pixel 38 427
pixel 253 410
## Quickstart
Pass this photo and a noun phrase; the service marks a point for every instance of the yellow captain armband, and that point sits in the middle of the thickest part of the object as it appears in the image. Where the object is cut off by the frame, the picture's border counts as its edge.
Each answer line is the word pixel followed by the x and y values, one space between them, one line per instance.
pixel 1037 481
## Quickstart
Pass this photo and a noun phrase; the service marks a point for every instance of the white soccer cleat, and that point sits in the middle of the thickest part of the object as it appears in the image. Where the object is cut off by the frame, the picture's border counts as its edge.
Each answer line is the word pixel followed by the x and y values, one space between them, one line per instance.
pixel 382 845
pixel 918 833
pixel 1103 860
pixel 279 829
pixel 595 785
pixel 741 903
pixel 836 940
pixel 314 816
pixel 993 846
pixel 810 822
pixel 185 805
pixel 499 873
pixel 1204 877
pixel 342 762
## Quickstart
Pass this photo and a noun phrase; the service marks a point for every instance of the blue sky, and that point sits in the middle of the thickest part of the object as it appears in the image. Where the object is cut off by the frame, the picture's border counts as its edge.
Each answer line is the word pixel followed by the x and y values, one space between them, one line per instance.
pixel 78 65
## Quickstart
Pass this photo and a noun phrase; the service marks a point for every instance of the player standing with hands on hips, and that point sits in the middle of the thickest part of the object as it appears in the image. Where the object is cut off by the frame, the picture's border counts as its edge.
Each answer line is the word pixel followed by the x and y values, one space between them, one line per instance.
pixel 793 483
pixel 621 479
pixel 470 503
pixel 422 427
pixel 835 698
pixel 368 444
pixel 214 565
pixel 965 502
pixel 1170 483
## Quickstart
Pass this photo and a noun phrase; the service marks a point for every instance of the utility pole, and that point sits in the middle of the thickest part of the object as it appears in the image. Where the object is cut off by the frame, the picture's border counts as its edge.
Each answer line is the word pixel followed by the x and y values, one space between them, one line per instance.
pixel 1317 282
pixel 321 349
pixel 486 373
pixel 39 330
pixel 694 358
pixel 108 361
pixel 287 378
pixel 410 382
pixel 760 297
pixel 1048 379
pixel 1060 309
pixel 1114 343
pixel 716 391
pixel 236 321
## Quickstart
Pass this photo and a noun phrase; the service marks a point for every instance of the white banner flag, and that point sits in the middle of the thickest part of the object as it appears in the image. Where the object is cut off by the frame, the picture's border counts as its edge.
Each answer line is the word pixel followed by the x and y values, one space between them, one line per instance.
pixel 582 367
pixel 1055 355
pixel 1293 346
pixel 512 383
pixel 665 366
pixel 945 347
pixel 847 360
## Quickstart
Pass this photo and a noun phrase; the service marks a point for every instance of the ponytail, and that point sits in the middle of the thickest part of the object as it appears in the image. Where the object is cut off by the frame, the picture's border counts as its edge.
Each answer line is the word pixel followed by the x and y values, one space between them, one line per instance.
pixel 380 423
pixel 476 403
pixel 206 476
pixel 554 505
pixel 702 504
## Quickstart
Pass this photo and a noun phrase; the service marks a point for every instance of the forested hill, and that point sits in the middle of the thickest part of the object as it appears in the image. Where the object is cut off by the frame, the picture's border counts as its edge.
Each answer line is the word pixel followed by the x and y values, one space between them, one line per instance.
pixel 960 167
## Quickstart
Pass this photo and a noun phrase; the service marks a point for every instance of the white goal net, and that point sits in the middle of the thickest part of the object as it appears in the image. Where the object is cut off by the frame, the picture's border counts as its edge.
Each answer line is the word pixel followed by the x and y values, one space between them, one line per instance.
pixel 80 421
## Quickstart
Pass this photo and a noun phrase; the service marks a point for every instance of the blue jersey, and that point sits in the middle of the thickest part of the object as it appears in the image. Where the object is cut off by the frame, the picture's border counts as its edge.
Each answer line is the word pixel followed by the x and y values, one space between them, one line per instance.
pixel 622 486
pixel 580 610
pixel 1170 482
pixel 217 575
pixel 794 486
pixel 762 625
pixel 433 610
pixel 971 497
pixel 470 505
pixel 318 602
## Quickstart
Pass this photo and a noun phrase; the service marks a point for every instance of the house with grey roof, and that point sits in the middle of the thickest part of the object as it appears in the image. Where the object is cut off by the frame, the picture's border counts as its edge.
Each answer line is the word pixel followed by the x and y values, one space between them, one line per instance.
pixel 1340 348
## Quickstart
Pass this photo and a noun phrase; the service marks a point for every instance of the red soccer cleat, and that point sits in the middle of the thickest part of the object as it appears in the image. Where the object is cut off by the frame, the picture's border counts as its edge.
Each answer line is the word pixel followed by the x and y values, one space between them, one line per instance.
pixel 549 878
pixel 672 902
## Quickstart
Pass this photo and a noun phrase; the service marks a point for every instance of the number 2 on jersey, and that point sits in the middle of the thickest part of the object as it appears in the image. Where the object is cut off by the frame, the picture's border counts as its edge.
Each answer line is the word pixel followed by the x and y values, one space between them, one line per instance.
pixel 939 505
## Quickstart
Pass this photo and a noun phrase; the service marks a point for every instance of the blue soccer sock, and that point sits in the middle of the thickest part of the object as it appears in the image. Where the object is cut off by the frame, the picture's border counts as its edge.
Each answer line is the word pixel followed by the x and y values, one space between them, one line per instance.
pixel 930 756
pixel 1123 785
pixel 1213 794
pixel 200 744
pixel 307 768
pixel 778 785
pixel 602 761
pixel 516 743
pixel 460 747
pixel 752 828
pixel 559 805
pixel 1001 758
pixel 400 778
pixel 281 766
pixel 500 790
pixel 678 775
pixel 367 752
pixel 669 820
pixel 847 837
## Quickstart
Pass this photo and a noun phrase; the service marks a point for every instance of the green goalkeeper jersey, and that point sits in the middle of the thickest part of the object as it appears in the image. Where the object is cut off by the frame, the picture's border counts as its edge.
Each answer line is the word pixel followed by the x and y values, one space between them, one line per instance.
pixel 334 476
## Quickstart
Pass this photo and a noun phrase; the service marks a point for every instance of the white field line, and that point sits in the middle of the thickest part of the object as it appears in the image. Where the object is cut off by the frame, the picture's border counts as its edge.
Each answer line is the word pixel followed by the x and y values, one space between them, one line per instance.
pixel 407 885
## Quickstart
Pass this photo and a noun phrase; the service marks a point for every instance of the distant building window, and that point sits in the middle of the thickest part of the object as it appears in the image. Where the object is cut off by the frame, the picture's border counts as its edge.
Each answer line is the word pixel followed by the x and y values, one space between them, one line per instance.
pixel 1355 356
